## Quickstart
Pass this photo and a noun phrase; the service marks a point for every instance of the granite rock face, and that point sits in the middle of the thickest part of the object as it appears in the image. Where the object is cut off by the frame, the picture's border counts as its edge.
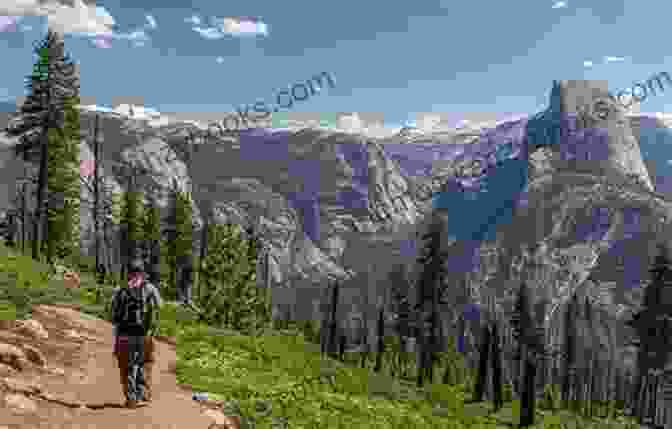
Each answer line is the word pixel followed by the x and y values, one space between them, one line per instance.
pixel 562 199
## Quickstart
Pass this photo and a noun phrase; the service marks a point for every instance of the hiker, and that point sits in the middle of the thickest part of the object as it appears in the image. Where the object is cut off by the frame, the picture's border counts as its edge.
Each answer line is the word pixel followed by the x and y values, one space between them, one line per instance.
pixel 135 315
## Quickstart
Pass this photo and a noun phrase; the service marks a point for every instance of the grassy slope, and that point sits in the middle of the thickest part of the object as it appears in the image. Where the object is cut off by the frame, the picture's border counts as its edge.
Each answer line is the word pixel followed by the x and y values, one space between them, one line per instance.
pixel 278 375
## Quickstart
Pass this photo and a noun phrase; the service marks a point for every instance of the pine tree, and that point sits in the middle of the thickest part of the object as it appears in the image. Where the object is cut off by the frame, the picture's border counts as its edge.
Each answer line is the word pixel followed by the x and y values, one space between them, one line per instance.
pixel 381 343
pixel 402 309
pixel 569 349
pixel 63 185
pixel 151 228
pixel 333 322
pixel 431 278
pixel 484 360
pixel 131 219
pixel 496 365
pixel 229 294
pixel 53 82
pixel 525 333
pixel 650 325
pixel 179 235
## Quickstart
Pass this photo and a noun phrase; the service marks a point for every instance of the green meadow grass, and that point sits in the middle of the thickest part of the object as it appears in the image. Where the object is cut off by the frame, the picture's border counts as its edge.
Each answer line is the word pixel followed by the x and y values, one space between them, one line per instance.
pixel 277 379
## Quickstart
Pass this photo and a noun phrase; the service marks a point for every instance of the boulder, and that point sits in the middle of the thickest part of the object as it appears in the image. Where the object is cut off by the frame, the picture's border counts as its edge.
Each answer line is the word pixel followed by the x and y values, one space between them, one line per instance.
pixel 32 328
pixel 223 421
pixel 20 403
pixel 12 356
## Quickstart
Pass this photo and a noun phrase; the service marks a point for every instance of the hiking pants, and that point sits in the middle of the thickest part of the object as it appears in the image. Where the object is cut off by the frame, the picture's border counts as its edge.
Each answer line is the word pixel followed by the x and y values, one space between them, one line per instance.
pixel 136 357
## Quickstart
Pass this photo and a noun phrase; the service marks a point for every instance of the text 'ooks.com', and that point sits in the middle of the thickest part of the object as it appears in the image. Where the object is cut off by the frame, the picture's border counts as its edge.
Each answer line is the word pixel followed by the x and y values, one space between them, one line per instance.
pixel 284 100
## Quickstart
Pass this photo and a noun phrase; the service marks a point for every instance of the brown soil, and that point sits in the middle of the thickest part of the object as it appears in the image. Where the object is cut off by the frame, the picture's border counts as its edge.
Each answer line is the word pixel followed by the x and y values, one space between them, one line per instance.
pixel 87 392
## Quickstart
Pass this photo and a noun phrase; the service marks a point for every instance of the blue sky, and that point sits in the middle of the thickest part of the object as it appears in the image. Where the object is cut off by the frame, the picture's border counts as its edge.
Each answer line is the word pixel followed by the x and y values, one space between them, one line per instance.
pixel 390 59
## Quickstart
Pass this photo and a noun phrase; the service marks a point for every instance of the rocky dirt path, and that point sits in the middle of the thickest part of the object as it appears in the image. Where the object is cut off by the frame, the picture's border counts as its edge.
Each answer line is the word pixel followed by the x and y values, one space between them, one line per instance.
pixel 64 375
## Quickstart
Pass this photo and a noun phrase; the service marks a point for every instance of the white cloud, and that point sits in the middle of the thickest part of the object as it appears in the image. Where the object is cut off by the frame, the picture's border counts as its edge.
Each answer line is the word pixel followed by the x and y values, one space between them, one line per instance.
pixel 151 22
pixel 102 42
pixel 208 33
pixel 237 27
pixel 220 60
pixel 75 18
pixel 8 23
pixel 614 59
pixel 587 63
pixel 193 19
pixel 559 5
pixel 241 26
pixel 137 35
pixel 81 18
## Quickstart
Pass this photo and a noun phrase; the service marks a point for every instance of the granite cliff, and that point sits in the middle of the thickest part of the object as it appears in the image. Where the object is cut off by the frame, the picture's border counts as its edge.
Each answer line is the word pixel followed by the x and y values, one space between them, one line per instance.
pixel 572 206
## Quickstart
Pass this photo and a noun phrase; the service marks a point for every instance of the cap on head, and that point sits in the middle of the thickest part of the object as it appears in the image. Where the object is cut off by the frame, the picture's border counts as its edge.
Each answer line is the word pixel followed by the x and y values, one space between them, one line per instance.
pixel 137 265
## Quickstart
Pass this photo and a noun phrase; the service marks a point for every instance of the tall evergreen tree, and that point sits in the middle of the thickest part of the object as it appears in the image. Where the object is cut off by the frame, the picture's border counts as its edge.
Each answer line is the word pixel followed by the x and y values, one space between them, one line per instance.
pixel 131 220
pixel 524 332
pixel 650 325
pixel 63 184
pixel 381 340
pixel 229 294
pixel 496 365
pixel 179 246
pixel 429 283
pixel 151 228
pixel 402 310
pixel 484 360
pixel 54 81
pixel 569 349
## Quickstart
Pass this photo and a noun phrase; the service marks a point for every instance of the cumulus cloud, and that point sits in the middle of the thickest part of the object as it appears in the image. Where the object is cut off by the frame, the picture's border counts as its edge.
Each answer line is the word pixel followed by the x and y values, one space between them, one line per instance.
pixel 151 22
pixel 559 5
pixel 66 17
pixel 614 59
pixel 73 17
pixel 237 27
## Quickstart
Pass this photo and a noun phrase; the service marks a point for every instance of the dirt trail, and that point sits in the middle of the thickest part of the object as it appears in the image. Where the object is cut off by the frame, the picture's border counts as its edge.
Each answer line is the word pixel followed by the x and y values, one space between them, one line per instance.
pixel 84 371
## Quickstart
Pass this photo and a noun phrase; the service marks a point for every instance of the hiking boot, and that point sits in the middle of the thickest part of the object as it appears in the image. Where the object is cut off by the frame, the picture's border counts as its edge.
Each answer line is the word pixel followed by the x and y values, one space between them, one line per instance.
pixel 135 404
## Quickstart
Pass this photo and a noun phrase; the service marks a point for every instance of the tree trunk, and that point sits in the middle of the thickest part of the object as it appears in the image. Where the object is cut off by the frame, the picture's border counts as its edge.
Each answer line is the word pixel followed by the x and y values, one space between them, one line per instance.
pixel 381 343
pixel 483 363
pixel 528 393
pixel 40 214
pixel 496 361
pixel 332 326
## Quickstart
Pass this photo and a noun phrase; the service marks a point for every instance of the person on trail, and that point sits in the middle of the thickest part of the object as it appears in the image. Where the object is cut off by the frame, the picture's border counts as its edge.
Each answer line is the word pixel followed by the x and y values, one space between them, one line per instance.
pixel 135 315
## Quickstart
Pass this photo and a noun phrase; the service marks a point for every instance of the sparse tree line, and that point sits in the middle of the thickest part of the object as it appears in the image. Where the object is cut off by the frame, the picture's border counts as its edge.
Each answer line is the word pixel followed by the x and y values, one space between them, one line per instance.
pixel 515 357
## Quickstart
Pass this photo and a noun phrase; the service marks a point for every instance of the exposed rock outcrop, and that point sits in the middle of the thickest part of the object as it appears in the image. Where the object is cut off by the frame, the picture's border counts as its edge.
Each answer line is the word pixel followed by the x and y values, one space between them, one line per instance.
pixel 333 205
